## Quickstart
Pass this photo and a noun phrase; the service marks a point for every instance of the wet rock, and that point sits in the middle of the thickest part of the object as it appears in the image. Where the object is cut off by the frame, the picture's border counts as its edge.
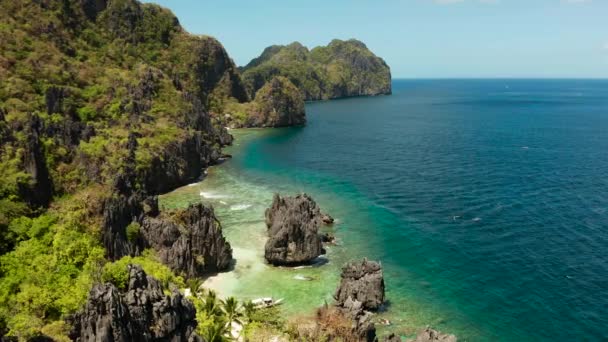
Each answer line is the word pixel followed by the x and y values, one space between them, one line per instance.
pixel 189 241
pixel 293 224
pixel 141 312
pixel 328 238
pixel 327 219
pixel 430 335
pixel 362 282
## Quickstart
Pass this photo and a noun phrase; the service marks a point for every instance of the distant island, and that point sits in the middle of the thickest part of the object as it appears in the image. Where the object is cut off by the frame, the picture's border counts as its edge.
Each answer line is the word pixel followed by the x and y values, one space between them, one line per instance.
pixel 340 69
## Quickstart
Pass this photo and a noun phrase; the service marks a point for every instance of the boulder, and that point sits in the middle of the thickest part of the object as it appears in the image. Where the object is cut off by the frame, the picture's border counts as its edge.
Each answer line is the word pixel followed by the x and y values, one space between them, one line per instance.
pixel 141 312
pixel 328 238
pixel 327 219
pixel 293 229
pixel 362 282
pixel 430 335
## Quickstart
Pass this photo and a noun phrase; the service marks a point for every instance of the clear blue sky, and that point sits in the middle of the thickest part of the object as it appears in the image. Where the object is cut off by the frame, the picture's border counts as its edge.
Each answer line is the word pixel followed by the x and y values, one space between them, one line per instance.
pixel 421 38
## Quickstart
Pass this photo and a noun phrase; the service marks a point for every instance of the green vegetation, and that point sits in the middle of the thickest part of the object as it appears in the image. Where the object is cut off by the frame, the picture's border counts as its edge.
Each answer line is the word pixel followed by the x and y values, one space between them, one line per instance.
pixel 278 103
pixel 49 273
pixel 76 81
pixel 133 231
pixel 216 317
pixel 117 272
pixel 93 90
pixel 340 69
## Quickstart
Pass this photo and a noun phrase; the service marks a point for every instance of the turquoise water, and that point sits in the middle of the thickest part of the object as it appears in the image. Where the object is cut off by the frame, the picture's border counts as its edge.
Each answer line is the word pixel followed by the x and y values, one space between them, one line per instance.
pixel 485 200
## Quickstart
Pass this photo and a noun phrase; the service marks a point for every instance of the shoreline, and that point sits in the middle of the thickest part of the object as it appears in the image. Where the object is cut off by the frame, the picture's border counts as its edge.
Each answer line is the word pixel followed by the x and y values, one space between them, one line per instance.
pixel 227 185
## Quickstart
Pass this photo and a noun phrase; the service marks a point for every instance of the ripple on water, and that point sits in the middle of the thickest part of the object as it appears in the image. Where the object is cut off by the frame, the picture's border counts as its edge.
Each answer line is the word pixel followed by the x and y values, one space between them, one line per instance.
pixel 397 170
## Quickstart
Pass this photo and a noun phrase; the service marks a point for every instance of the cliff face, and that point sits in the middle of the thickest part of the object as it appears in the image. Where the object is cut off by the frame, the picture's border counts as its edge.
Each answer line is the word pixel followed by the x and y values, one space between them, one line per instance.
pixel 109 100
pixel 340 69
pixel 277 104
pixel 293 230
pixel 141 312
pixel 189 241
pixel 80 76
pixel 361 282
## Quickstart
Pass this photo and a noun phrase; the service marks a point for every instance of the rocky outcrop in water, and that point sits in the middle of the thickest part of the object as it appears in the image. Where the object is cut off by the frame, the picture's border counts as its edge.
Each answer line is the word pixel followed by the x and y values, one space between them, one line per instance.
pixel 361 282
pixel 360 290
pixel 326 218
pixel 189 241
pixel 141 312
pixel 430 335
pixel 293 230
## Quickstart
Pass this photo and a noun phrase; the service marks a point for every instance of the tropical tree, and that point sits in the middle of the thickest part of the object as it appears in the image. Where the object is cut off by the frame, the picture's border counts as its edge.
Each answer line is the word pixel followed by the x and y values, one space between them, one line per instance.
pixel 248 309
pixel 216 332
pixel 230 307
pixel 195 285
pixel 210 304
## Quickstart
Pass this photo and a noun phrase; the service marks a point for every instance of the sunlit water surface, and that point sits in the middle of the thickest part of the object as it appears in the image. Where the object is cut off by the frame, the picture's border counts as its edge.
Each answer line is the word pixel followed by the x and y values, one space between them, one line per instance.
pixel 486 202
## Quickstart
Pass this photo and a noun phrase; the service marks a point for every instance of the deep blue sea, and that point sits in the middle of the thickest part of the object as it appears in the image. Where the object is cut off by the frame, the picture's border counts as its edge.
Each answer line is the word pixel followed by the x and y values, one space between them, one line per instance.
pixel 499 188
pixel 485 200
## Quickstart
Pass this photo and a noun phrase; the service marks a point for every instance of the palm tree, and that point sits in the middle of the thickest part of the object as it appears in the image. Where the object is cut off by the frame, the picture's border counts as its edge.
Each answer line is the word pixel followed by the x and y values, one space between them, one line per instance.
pixel 210 304
pixel 248 309
pixel 195 285
pixel 217 332
pixel 230 306
pixel 232 312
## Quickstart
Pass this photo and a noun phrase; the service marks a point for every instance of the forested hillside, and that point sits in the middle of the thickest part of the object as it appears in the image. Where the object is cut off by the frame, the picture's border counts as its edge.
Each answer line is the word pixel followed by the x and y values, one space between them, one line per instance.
pixel 103 104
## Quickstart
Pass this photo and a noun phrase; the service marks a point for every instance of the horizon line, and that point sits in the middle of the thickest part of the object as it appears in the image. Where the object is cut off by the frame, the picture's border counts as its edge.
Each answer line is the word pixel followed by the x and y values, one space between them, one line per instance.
pixel 501 78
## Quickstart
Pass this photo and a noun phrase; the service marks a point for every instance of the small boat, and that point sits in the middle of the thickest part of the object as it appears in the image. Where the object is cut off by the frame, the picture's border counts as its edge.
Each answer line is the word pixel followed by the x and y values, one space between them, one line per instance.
pixel 266 302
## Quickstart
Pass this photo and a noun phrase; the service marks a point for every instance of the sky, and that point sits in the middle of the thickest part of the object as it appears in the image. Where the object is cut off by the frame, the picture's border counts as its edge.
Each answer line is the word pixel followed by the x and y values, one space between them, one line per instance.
pixel 421 38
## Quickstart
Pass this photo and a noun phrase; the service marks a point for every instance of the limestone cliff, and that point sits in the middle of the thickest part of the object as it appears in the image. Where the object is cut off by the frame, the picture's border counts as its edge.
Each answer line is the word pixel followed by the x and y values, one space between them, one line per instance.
pixel 362 282
pixel 340 69
pixel 189 241
pixel 293 230
pixel 141 312
pixel 103 104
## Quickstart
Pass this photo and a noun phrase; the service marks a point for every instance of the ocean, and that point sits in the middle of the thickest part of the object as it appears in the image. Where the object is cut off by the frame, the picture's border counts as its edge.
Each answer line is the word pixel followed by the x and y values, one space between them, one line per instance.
pixel 485 200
